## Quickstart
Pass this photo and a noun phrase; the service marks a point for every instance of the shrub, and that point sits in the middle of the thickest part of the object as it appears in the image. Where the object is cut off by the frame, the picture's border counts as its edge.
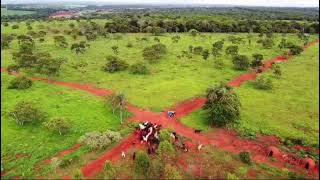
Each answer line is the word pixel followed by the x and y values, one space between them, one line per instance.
pixel 205 54
pixel 218 63
pixel 223 105
pixel 58 124
pixel 267 43
pixel 154 52
pixel 263 82
pixel 109 170
pixel 197 50
pixel 193 32
pixel 129 45
pixel 165 149
pixel 26 112
pixel 171 172
pixel 20 83
pixel 164 135
pixel 241 62
pixel 15 26
pixel 98 140
pixel 142 165
pixel 12 68
pixel 232 50
pixel 78 174
pixel 245 157
pixel 296 50
pixel 115 64
pixel 257 60
pixel 276 70
pixel 139 68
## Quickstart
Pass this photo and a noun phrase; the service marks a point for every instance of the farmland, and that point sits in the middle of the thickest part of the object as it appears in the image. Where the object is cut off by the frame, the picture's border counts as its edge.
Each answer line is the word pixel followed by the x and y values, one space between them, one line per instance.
pixel 6 12
pixel 73 92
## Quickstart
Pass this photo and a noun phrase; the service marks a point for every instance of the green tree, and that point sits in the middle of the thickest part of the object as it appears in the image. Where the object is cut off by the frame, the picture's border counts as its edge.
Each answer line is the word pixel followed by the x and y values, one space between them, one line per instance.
pixel 218 63
pixel 115 64
pixel 117 102
pixel 58 124
pixel 276 70
pixel 205 54
pixel 20 82
pixel 296 50
pixel 60 41
pixel 26 112
pixel 166 150
pixel 217 48
pixel 241 62
pixel 263 82
pixel 139 68
pixel 223 105
pixel 193 32
pixel 232 50
pixel 142 164
pixel 154 52
pixel 257 60
pixel 115 49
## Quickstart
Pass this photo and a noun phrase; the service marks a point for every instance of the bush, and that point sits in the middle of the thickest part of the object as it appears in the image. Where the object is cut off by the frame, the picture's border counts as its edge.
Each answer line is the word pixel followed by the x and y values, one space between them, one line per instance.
pixel 58 124
pixel 20 83
pixel 109 170
pixel 197 50
pixel 115 64
pixel 12 68
pixel 193 32
pixel 78 174
pixel 142 165
pixel 296 50
pixel 15 26
pixel 223 105
pixel 154 52
pixel 245 157
pixel 139 68
pixel 129 45
pixel 263 82
pixel 276 70
pixel 267 43
pixel 26 112
pixel 165 149
pixel 171 172
pixel 164 135
pixel 232 50
pixel 218 63
pixel 241 62
pixel 98 140
pixel 257 60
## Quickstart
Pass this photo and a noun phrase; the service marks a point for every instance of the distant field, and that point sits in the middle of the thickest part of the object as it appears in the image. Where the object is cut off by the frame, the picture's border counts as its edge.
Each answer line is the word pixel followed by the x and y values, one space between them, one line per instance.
pixel 5 12
pixel 288 110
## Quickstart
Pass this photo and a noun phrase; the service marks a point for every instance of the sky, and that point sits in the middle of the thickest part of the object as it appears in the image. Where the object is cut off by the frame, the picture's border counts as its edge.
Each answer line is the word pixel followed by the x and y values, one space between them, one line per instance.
pixel 286 3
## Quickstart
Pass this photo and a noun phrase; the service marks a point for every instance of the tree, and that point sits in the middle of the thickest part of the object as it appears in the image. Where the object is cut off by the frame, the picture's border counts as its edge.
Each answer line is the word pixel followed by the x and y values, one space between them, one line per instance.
pixel 197 50
pixel 79 47
pixel 257 60
pixel 223 105
pixel 115 64
pixel 164 135
pixel 205 54
pixel 175 38
pixel 218 63
pixel 45 64
pixel 232 50
pixel 295 50
pixel 60 41
pixel 117 102
pixel 267 43
pixel 15 26
pixel 171 172
pixel 263 82
pixel 190 48
pixel 139 68
pixel 217 48
pixel 154 52
pixel 276 70
pixel 165 149
pixel 115 49
pixel 241 62
pixel 193 32
pixel 58 124
pixel 26 112
pixel 142 165
pixel 20 82
pixel 245 157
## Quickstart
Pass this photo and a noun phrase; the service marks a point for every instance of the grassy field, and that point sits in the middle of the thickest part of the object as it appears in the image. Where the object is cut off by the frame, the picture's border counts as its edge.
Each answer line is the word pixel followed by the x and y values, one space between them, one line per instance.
pixel 5 12
pixel 85 113
pixel 172 80
pixel 289 110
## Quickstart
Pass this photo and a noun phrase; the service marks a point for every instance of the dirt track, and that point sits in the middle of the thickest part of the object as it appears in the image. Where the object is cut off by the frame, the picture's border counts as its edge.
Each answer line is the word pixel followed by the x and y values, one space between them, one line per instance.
pixel 221 138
